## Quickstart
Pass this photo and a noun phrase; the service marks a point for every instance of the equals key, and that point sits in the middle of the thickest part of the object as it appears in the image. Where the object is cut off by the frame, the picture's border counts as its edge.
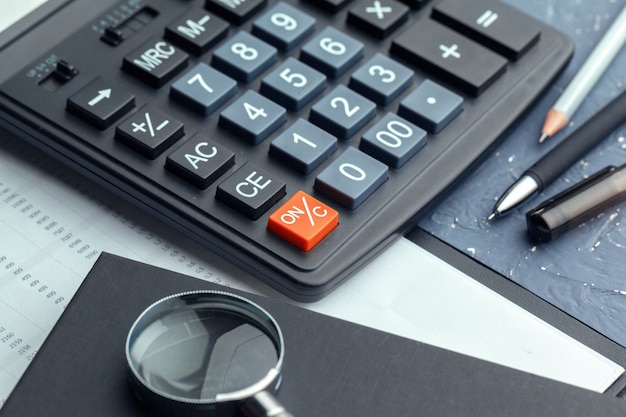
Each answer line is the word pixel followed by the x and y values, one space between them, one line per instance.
pixel 497 26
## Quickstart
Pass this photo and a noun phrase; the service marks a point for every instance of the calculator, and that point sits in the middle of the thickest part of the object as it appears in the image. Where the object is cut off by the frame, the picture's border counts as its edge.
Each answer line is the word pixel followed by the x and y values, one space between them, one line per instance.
pixel 297 139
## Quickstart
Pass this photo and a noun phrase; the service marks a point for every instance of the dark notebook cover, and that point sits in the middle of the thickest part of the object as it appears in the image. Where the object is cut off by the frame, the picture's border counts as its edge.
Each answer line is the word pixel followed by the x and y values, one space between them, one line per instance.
pixel 331 368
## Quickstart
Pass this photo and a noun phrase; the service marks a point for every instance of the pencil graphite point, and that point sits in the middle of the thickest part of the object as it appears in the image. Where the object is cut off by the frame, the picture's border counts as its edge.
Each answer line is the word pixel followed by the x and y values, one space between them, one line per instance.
pixel 555 121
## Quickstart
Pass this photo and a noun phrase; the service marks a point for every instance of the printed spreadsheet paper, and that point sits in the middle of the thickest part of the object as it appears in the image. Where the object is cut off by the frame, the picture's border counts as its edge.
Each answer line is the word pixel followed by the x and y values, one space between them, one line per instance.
pixel 54 224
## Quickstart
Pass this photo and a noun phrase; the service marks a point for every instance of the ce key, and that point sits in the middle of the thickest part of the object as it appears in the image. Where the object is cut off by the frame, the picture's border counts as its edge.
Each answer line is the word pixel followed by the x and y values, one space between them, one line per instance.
pixel 303 221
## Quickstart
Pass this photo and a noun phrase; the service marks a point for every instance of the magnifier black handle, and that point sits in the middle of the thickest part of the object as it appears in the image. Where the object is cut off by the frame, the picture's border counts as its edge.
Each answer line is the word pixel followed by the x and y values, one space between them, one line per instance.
pixel 264 404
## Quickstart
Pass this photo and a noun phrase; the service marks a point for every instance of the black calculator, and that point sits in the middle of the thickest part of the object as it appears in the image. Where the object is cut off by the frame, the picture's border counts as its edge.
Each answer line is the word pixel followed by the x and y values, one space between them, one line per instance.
pixel 295 138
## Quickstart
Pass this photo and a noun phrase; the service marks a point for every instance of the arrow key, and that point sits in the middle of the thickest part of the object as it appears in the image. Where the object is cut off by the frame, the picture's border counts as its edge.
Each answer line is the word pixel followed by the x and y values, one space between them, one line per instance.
pixel 100 103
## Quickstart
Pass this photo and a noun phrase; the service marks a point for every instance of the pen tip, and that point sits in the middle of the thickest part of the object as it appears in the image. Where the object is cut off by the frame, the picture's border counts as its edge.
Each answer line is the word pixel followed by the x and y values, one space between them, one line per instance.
pixel 543 137
pixel 491 216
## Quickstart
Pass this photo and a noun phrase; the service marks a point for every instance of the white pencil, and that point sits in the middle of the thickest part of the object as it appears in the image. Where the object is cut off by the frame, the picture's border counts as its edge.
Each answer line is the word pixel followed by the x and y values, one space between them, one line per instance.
pixel 595 65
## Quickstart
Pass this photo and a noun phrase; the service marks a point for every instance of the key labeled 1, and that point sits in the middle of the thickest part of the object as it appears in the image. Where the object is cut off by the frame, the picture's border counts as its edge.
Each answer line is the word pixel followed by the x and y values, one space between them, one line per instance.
pixel 303 221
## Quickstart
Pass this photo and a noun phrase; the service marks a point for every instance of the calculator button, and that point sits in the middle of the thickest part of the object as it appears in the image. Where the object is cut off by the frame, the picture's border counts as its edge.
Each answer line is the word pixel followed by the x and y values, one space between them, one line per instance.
pixel 303 146
pixel 493 24
pixel 253 117
pixel 203 89
pixel 244 57
pixel 293 84
pixel 236 11
pixel 283 26
pixel 378 17
pixel 393 140
pixel 381 79
pixel 332 52
pixel 416 4
pixel 431 106
pixel 149 131
pixel 331 5
pixel 155 62
pixel 251 191
pixel 351 178
pixel 457 59
pixel 196 31
pixel 342 112
pixel 100 103
pixel 303 221
pixel 200 161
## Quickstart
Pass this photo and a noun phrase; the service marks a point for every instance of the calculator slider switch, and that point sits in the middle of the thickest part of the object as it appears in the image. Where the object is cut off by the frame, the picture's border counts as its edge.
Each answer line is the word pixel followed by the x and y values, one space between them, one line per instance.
pixel 112 36
pixel 64 71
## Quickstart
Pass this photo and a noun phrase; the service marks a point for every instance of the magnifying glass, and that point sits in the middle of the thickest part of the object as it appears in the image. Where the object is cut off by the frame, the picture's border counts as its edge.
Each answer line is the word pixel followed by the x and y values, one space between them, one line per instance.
pixel 206 353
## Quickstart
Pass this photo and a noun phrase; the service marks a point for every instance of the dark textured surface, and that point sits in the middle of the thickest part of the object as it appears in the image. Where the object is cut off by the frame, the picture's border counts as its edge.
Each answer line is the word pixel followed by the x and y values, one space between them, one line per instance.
pixel 582 272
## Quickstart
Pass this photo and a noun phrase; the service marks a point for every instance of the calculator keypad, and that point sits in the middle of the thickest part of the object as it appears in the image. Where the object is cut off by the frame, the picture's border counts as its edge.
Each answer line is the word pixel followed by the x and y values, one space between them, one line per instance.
pixel 297 137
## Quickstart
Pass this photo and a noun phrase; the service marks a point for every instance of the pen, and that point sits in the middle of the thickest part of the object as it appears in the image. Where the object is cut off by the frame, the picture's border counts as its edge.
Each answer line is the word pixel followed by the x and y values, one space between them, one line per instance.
pixel 586 77
pixel 576 204
pixel 563 155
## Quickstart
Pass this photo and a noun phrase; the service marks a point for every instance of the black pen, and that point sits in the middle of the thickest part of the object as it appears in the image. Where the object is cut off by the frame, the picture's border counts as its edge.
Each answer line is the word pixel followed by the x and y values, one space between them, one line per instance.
pixel 577 204
pixel 565 154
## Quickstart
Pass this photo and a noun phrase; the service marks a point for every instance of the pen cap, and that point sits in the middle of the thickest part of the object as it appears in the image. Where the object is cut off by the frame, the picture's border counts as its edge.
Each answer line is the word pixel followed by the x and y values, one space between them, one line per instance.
pixel 577 204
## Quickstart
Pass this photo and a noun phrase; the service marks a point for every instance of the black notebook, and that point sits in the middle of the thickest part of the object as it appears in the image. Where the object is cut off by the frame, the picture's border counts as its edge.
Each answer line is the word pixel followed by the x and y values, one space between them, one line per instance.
pixel 331 368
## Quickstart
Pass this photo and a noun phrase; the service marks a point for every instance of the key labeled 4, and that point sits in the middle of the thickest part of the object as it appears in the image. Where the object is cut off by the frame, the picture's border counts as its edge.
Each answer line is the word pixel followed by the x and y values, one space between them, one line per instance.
pixel 303 221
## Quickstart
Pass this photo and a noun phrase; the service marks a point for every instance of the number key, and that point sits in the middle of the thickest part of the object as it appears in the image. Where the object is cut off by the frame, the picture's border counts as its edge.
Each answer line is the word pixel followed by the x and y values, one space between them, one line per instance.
pixel 351 178
pixel 342 112
pixel 253 117
pixel 303 146
pixel 284 26
pixel 381 79
pixel 293 84
pixel 332 52
pixel 244 57
pixel 203 89
pixel 393 140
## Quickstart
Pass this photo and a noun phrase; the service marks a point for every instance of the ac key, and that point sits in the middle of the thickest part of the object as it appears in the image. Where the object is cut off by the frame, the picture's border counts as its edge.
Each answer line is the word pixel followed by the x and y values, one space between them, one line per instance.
pixel 149 131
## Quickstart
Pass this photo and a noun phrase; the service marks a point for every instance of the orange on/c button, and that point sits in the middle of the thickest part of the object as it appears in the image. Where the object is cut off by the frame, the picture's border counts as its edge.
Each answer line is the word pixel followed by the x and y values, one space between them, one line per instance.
pixel 303 221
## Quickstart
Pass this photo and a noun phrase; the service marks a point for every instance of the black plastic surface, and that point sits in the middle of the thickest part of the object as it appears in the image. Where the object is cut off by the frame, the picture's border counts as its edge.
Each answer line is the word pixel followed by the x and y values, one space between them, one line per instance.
pixel 39 115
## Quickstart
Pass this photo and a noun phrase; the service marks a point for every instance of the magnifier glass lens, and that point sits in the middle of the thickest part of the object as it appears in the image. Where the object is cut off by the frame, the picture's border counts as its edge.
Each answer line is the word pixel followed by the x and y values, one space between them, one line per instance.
pixel 206 353
pixel 197 352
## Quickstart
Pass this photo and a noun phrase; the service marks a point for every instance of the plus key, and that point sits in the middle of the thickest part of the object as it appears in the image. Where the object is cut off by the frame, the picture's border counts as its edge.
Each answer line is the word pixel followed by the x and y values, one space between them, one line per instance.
pixel 455 58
